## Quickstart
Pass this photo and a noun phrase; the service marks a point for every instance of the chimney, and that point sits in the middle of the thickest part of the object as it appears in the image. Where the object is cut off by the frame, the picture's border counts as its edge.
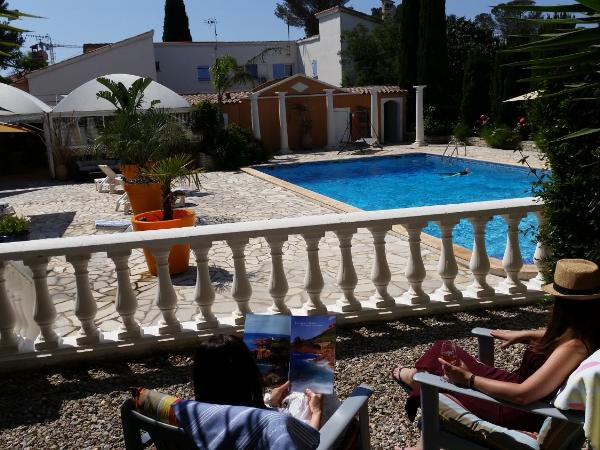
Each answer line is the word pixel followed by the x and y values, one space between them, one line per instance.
pixel 387 8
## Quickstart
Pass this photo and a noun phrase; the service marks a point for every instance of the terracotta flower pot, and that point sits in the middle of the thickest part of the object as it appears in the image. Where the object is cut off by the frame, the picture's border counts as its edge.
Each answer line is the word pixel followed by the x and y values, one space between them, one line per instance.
pixel 179 256
pixel 144 197
pixel 129 171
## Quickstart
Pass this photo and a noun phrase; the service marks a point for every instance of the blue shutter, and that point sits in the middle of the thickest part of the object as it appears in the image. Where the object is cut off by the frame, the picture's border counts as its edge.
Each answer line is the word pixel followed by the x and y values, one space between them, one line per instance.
pixel 203 73
pixel 315 71
pixel 278 71
pixel 252 70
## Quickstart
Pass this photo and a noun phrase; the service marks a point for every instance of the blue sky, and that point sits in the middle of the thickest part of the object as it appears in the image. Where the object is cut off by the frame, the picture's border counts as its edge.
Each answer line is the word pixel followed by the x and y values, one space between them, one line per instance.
pixel 80 21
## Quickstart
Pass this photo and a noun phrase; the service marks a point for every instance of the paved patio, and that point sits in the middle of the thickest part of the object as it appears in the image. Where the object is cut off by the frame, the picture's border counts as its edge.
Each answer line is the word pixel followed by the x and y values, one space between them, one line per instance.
pixel 58 209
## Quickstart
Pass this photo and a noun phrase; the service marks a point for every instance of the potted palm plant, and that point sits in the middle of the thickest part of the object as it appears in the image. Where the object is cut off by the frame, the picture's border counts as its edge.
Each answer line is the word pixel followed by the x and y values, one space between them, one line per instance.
pixel 166 172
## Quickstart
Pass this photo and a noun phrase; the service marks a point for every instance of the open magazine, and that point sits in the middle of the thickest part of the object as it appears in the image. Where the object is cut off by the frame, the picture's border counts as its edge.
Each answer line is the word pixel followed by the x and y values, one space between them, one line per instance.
pixel 300 349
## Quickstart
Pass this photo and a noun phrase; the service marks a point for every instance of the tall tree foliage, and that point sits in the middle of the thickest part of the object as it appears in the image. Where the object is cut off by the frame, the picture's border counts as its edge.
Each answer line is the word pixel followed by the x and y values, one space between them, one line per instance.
pixel 409 43
pixel 477 76
pixel 432 58
pixel 176 25
pixel 11 37
pixel 225 74
pixel 301 13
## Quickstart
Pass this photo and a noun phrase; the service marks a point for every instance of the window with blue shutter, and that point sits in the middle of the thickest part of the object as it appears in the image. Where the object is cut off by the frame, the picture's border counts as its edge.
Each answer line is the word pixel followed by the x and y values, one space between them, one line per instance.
pixel 252 70
pixel 203 73
pixel 278 71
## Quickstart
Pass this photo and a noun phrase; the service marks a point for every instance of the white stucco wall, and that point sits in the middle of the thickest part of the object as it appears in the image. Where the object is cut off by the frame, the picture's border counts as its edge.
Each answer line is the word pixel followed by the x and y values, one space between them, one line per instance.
pixel 179 61
pixel 133 56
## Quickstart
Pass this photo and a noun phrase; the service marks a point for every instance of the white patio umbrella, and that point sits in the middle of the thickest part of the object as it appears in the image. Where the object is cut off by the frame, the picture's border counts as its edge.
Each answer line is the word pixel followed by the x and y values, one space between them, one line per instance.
pixel 522 98
pixel 83 101
pixel 19 106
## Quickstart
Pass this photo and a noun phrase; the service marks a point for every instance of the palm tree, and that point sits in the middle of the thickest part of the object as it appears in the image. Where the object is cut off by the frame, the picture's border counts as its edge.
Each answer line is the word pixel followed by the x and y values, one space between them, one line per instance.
pixel 5 26
pixel 224 75
pixel 127 100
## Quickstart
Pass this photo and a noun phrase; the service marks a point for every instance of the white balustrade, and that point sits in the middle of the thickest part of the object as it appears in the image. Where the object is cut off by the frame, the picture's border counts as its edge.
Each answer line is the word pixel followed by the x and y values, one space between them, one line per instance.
pixel 415 269
pixel 539 257
pixel 347 278
pixel 447 267
pixel 313 280
pixel 166 297
pixel 85 304
pixel 278 285
pixel 512 262
pixel 480 262
pixel 241 290
pixel 131 337
pixel 204 295
pixel 9 340
pixel 44 313
pixel 380 272
pixel 127 303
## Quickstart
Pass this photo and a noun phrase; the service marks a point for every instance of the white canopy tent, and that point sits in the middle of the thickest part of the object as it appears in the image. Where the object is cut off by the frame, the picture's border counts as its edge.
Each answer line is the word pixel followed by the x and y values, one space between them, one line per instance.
pixel 20 106
pixel 83 101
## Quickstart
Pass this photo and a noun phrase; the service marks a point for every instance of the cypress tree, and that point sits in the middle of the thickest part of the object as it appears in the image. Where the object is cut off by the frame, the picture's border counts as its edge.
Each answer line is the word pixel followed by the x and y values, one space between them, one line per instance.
pixel 476 87
pixel 409 43
pixel 176 26
pixel 432 54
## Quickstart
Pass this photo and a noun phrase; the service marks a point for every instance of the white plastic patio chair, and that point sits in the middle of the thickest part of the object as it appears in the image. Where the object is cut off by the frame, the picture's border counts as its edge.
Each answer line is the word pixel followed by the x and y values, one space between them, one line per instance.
pixel 445 424
pixel 110 182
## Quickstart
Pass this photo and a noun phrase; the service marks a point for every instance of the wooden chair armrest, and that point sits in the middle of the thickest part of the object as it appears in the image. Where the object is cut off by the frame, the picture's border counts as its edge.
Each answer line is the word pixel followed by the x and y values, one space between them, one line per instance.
pixel 540 408
pixel 355 404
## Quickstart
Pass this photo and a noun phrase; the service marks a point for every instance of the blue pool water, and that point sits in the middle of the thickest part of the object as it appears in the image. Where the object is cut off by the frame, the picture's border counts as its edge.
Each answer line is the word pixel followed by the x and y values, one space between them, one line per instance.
pixel 421 180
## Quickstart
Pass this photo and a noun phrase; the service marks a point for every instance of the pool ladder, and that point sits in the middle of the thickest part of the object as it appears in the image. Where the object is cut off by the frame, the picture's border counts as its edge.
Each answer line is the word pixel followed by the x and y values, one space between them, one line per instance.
pixel 454 146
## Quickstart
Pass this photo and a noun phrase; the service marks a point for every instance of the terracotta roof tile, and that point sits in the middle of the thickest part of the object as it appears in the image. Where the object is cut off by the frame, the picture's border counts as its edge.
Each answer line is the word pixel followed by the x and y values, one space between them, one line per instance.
pixel 230 97
pixel 381 89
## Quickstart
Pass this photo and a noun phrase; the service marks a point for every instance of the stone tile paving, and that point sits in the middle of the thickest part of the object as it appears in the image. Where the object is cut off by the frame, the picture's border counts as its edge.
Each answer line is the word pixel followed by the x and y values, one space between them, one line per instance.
pixel 59 209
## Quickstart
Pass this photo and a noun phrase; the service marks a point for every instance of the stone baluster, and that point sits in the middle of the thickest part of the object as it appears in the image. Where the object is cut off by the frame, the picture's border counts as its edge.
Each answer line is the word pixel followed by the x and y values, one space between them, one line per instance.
pixel 85 304
pixel 9 341
pixel 541 253
pixel 278 285
pixel 313 280
pixel 480 262
pixel 44 313
pixel 166 297
pixel 380 272
pixel 447 267
pixel 415 269
pixel 241 290
pixel 512 262
pixel 347 279
pixel 204 295
pixel 126 299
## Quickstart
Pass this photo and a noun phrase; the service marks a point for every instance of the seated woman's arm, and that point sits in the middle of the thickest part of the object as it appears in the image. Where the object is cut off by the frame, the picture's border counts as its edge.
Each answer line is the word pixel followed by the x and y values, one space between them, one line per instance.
pixel 511 337
pixel 557 368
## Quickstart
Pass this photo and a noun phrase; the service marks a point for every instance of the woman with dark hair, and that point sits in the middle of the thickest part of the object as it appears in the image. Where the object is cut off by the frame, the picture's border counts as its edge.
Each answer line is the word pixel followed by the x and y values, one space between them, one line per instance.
pixel 552 354
pixel 225 373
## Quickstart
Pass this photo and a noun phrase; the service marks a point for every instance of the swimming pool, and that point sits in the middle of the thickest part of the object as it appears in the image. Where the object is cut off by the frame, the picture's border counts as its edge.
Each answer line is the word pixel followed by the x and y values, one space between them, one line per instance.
pixel 419 179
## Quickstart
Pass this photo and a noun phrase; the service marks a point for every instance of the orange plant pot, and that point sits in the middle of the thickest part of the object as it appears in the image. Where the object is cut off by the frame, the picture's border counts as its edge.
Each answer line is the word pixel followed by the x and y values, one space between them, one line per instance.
pixel 144 197
pixel 129 171
pixel 179 256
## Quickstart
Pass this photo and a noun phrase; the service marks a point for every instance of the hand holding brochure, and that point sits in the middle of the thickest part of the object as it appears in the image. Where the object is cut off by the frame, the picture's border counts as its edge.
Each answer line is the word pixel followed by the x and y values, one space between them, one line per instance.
pixel 300 349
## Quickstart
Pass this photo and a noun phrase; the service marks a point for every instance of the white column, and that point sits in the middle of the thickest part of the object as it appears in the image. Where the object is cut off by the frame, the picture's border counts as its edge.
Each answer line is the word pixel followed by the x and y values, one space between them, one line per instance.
pixel 85 304
pixel 166 297
pixel 419 122
pixel 541 253
pixel 347 279
pixel 126 300
pixel 285 148
pixel 415 269
pixel 480 262
pixel 512 262
pixel 204 295
pixel 241 290
pixel 447 267
pixel 44 313
pixel 330 118
pixel 278 285
pixel 255 115
pixel 380 272
pixel 313 280
pixel 374 114
pixel 9 341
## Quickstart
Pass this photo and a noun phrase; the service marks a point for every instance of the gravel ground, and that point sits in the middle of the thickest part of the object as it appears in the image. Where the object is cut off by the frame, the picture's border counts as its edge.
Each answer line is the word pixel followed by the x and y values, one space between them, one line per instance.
pixel 79 407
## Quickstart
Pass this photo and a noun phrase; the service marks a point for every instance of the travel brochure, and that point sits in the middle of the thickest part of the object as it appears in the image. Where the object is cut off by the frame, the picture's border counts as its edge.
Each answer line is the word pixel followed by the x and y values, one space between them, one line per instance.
pixel 300 349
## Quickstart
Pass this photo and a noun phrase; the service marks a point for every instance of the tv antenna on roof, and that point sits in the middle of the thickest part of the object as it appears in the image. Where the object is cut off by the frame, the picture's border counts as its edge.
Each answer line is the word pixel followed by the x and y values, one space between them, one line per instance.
pixel 212 22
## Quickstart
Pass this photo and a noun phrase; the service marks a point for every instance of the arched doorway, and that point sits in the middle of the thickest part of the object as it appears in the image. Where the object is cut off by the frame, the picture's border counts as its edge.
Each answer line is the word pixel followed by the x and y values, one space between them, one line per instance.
pixel 392 126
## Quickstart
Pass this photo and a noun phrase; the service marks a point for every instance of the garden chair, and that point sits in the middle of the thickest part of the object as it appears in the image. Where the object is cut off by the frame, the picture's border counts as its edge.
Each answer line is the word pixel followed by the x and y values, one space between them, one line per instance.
pixel 141 430
pixel 110 182
pixel 445 424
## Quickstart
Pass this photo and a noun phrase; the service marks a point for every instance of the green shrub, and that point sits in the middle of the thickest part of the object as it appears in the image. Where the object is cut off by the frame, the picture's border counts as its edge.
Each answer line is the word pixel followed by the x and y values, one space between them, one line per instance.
pixel 500 137
pixel 204 122
pixel 461 132
pixel 13 225
pixel 435 125
pixel 237 147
